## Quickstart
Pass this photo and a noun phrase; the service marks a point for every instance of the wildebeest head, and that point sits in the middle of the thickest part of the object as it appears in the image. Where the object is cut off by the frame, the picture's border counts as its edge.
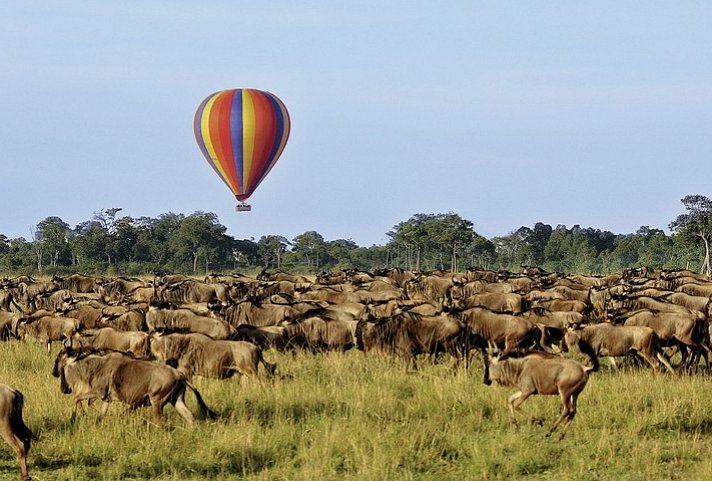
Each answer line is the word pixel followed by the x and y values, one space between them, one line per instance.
pixel 158 346
pixel 572 337
pixel 64 359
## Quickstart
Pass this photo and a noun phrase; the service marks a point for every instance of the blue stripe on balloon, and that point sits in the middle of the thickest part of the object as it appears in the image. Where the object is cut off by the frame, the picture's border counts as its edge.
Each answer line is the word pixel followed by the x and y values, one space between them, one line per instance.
pixel 236 136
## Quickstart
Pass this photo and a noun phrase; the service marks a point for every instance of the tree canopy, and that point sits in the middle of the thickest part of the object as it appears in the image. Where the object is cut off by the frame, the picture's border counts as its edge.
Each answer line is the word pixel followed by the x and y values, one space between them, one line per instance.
pixel 198 243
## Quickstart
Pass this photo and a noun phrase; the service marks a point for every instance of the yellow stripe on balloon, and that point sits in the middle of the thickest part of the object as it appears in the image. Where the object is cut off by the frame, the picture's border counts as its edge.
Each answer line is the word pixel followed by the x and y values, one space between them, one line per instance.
pixel 205 130
pixel 248 136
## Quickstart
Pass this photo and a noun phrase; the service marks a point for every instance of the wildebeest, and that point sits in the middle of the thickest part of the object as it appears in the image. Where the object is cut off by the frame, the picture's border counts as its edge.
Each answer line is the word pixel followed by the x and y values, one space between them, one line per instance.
pixel 185 320
pixel 46 328
pixel 406 335
pixel 109 339
pixel 259 314
pixel 538 373
pixel 200 355
pixel 116 376
pixel 502 330
pixel 317 334
pixel 686 330
pixel 78 283
pixel 12 427
pixel 611 340
pixel 190 291
pixel 500 302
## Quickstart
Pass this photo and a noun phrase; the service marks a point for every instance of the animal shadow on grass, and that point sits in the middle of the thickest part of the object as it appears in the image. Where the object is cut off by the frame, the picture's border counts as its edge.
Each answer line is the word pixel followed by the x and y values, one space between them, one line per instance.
pixel 246 462
pixel 684 425
pixel 267 414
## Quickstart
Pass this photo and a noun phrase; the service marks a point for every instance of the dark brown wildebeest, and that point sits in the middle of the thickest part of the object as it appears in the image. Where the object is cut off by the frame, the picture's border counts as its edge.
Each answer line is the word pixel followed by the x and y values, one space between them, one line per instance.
pixel 686 330
pixel 503 303
pixel 77 283
pixel 316 334
pixel 538 373
pixel 185 320
pixel 407 335
pixel 192 291
pixel 265 337
pixel 281 276
pixel 7 301
pixel 132 320
pixel 429 288
pixel 200 355
pixel 12 427
pixel 109 339
pixel 117 288
pixel 503 331
pixel 396 274
pixel 555 323
pixel 8 321
pixel 46 328
pixel 116 376
pixel 58 299
pixel 610 340
pixel 563 305
pixel 255 313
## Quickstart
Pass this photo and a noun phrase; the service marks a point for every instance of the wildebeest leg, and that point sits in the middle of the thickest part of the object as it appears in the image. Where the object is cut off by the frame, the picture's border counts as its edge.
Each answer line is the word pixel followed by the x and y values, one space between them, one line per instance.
pixel 651 360
pixel 569 412
pixel 183 409
pixel 515 402
pixel 20 446
pixel 104 409
pixel 78 404
pixel 666 363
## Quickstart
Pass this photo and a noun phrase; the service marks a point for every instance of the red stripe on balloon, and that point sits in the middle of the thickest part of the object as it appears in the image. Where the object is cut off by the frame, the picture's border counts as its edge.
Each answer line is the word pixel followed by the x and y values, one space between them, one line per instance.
pixel 228 159
pixel 265 131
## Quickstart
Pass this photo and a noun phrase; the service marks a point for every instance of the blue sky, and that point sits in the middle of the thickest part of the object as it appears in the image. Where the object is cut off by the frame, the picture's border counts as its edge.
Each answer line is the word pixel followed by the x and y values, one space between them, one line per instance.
pixel 507 113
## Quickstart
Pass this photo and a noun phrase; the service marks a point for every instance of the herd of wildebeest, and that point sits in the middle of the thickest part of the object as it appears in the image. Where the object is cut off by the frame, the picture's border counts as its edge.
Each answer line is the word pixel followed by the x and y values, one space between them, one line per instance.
pixel 140 341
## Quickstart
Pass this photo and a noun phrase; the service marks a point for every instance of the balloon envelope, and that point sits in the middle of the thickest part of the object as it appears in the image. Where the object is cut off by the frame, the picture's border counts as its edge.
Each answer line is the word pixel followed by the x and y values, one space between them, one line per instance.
pixel 242 133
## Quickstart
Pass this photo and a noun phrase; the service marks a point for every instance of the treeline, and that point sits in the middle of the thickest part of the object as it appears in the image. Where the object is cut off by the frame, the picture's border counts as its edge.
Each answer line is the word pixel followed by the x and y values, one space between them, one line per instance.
pixel 195 244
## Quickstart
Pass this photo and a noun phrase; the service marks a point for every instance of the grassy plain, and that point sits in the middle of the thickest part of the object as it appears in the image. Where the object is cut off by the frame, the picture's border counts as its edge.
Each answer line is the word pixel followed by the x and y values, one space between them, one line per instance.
pixel 355 417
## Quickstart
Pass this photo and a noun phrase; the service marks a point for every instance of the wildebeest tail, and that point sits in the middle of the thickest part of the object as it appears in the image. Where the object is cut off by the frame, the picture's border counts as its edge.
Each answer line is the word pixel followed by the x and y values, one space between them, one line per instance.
pixel 271 368
pixel 358 334
pixel 587 350
pixel 205 411
pixel 17 424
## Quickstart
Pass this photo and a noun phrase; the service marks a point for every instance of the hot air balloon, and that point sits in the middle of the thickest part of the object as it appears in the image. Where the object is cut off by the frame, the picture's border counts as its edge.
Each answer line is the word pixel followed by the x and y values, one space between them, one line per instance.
pixel 242 133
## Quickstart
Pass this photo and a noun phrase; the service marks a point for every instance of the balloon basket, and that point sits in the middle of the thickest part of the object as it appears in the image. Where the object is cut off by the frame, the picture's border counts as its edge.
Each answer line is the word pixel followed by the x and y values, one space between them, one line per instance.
pixel 243 207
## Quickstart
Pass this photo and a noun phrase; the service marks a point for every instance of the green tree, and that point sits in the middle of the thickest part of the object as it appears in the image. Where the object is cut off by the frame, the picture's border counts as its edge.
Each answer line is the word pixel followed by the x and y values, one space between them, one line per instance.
pixel 200 236
pixel 311 247
pixel 695 226
pixel 52 240
pixel 270 250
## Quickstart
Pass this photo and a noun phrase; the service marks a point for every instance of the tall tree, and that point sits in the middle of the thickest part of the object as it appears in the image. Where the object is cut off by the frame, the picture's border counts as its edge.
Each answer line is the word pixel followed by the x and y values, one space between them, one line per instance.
pixel 695 226
pixel 53 234
pixel 270 250
pixel 199 236
pixel 311 246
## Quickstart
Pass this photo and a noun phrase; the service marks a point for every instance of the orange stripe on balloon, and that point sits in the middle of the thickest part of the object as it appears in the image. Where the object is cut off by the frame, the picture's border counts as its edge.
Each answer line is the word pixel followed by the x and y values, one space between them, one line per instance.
pixel 223 107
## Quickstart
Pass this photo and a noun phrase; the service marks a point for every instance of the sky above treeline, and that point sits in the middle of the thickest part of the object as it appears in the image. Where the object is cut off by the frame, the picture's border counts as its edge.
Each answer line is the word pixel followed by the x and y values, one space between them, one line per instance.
pixel 507 113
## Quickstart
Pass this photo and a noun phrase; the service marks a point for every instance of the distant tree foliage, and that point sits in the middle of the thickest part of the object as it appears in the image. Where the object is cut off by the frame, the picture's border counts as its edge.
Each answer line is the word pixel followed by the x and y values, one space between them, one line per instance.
pixel 197 244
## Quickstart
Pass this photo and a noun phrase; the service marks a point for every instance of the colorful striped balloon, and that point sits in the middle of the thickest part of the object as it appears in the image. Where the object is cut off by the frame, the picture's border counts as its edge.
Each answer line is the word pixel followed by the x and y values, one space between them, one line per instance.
pixel 242 133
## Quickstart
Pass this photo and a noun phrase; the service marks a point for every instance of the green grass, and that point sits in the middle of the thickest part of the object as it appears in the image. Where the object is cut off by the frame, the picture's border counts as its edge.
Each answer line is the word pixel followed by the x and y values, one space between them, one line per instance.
pixel 365 418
